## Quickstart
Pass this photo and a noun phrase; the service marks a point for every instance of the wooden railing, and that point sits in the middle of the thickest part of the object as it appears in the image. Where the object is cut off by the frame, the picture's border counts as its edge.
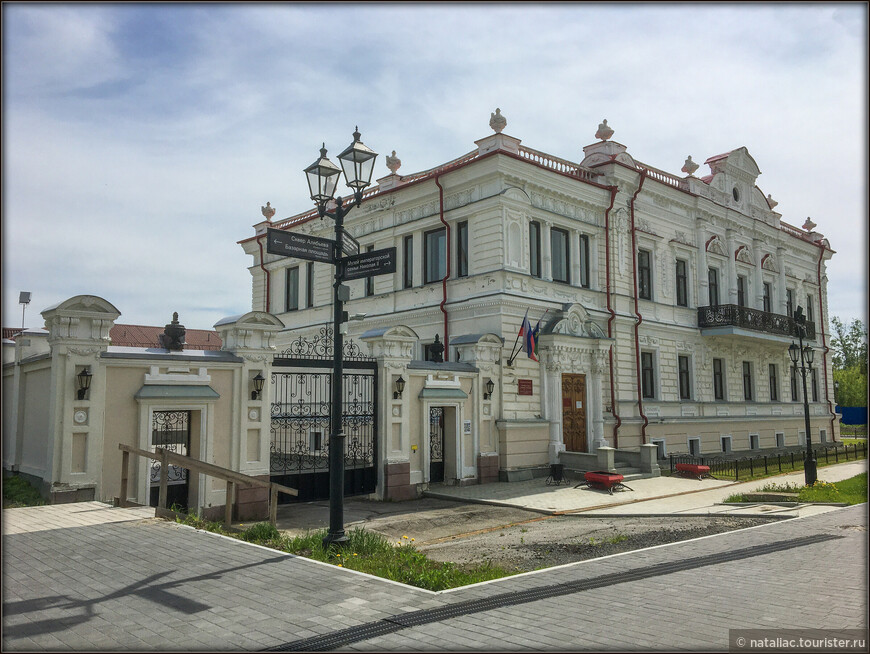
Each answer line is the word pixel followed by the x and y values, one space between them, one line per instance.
pixel 232 478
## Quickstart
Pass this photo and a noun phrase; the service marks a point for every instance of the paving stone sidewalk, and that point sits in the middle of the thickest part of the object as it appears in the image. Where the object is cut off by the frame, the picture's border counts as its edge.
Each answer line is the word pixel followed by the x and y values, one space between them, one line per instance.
pixel 152 585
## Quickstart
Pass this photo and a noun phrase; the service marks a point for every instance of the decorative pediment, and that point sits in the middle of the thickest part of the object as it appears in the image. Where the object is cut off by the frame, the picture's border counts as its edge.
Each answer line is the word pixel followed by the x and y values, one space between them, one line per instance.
pixel 80 305
pixel 517 194
pixel 768 262
pixel 253 319
pixel 80 318
pixel 742 254
pixel 396 342
pixel 575 321
pixel 737 163
pixel 715 246
pixel 254 330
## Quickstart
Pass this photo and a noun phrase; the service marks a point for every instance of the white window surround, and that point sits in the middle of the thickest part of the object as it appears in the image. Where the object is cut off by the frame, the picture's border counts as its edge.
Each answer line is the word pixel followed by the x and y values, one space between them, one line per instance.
pixel 754 442
pixel 661 447
pixel 726 443
pixel 692 394
pixel 780 439
pixel 823 435
pixel 697 444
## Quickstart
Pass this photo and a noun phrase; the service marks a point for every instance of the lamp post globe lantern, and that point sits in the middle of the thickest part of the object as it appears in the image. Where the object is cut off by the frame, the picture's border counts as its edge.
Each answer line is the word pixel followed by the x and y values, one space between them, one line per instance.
pixel 357 163
pixel 84 378
pixel 805 355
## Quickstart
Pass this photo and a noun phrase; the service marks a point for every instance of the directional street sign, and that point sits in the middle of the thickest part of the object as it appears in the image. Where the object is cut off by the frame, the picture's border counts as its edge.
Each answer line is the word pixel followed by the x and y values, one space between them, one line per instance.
pixel 376 262
pixel 301 246
pixel 349 245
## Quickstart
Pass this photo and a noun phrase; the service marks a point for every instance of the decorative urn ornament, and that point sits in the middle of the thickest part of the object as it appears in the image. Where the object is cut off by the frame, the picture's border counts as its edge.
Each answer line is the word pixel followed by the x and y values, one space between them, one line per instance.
pixel 497 121
pixel 268 211
pixel 689 167
pixel 172 337
pixel 604 132
pixel 393 162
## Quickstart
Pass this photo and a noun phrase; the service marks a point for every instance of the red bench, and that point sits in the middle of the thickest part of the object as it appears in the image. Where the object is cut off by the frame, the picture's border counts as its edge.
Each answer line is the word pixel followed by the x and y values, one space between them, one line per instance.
pixel 603 481
pixel 693 470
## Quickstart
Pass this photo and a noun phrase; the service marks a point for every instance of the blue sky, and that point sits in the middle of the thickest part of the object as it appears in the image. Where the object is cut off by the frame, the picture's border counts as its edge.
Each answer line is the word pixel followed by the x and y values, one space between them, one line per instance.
pixel 140 141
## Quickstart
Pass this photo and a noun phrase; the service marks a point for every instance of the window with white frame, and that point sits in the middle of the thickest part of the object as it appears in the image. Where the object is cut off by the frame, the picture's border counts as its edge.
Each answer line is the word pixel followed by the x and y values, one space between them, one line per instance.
pixel 694 445
pixel 584 260
pixel 535 249
pixel 661 448
pixel 823 435
pixel 647 375
pixel 766 298
pixel 713 286
pixel 561 259
pixel 725 442
pixel 815 383
pixel 408 261
pixel 780 440
pixel 789 302
pixel 718 379
pixel 644 275
pixel 773 382
pixel 802 438
pixel 741 291
pixel 434 255
pixel 462 249
pixel 747 380
pixel 291 289
pixel 754 442
pixel 685 376
pixel 682 279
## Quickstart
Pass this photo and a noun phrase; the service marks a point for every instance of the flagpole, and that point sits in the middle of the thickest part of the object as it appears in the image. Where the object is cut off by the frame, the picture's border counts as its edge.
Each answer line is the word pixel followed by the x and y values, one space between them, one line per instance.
pixel 512 356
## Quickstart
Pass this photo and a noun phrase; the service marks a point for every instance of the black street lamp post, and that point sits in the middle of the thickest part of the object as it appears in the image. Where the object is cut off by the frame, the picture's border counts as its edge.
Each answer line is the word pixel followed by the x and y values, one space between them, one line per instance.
pixel 805 354
pixel 357 162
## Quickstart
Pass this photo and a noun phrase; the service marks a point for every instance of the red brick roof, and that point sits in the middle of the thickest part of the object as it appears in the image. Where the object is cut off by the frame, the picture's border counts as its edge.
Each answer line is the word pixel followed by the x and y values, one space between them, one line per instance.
pixel 9 332
pixel 148 336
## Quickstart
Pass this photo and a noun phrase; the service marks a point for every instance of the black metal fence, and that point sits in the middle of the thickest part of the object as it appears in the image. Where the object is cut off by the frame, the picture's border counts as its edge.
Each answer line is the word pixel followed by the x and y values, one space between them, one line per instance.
pixel 746 467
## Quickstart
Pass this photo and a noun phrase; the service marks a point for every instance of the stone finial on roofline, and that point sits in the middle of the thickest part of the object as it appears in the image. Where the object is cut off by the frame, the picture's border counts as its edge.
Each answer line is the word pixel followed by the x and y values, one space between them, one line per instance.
pixel 771 202
pixel 393 162
pixel 268 211
pixel 497 121
pixel 809 225
pixel 604 132
pixel 689 167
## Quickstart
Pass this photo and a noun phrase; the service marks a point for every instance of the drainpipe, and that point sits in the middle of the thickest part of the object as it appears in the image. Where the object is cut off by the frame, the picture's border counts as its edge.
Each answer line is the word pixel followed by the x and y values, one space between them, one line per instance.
pixel 825 348
pixel 266 272
pixel 638 317
pixel 613 191
pixel 446 276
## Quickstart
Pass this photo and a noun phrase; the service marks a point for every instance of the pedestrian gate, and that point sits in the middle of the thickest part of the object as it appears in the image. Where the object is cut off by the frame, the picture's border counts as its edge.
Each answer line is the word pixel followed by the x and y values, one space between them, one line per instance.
pixel 301 396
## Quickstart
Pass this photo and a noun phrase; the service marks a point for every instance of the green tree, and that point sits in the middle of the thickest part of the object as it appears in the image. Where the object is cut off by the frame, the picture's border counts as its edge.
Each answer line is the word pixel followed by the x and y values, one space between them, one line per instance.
pixel 852 386
pixel 849 345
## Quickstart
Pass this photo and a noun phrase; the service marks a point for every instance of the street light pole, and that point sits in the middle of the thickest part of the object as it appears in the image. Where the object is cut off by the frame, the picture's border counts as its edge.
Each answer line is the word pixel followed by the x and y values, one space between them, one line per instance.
pixel 358 161
pixel 805 354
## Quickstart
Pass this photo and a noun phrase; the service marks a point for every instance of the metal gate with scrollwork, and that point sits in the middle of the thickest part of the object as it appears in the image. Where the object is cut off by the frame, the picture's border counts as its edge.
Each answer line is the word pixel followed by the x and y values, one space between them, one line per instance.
pixel 300 418
pixel 170 430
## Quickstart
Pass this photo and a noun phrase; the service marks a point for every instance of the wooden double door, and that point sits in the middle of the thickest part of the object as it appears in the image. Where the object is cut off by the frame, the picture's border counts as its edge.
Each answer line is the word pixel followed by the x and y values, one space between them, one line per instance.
pixel 574 412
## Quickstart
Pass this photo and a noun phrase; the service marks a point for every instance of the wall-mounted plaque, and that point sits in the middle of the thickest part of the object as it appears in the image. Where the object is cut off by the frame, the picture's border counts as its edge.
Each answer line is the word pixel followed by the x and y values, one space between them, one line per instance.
pixel 524 387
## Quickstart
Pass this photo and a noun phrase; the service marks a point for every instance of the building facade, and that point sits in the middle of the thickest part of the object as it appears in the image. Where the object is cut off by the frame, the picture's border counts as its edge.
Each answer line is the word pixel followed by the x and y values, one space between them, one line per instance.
pixel 664 302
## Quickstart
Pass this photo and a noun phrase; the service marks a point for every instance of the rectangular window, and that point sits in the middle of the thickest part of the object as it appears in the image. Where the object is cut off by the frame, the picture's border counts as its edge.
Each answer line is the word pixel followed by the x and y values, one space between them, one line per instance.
pixel 713 281
pixel 584 261
pixel 291 294
pixel 810 316
pixel 774 382
pixel 661 450
pixel 741 291
pixel 794 384
pixel 718 380
pixel 682 284
pixel 408 255
pixel 535 249
pixel 747 380
pixel 559 251
pixel 370 281
pixel 462 249
pixel 780 440
pixel 694 446
pixel 802 438
pixel 648 387
pixel 754 442
pixel 726 443
pixel 789 303
pixel 434 256
pixel 766 287
pixel 644 275
pixel 815 383
pixel 315 441
pixel 683 370
pixel 309 284
pixel 823 435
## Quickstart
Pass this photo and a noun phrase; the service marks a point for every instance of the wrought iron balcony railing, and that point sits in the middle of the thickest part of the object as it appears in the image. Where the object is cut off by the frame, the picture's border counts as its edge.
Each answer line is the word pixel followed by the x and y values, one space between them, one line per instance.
pixel 725 315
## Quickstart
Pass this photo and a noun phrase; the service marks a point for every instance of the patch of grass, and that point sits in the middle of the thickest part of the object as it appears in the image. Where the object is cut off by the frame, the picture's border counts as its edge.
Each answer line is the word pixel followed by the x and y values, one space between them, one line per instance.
pixel 849 491
pixel 17 492
pixel 364 551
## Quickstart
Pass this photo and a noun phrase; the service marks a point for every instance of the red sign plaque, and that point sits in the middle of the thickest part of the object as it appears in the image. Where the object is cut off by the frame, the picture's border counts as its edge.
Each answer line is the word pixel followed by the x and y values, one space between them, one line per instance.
pixel 524 387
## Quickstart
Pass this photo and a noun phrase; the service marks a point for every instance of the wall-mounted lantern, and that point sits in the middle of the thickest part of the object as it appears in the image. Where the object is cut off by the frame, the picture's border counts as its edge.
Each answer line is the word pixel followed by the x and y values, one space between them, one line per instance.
pixel 400 386
pixel 490 387
pixel 84 380
pixel 258 381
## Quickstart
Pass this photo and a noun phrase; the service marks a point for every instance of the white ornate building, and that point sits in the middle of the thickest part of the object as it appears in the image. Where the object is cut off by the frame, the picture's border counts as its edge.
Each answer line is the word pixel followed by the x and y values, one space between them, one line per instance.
pixel 664 299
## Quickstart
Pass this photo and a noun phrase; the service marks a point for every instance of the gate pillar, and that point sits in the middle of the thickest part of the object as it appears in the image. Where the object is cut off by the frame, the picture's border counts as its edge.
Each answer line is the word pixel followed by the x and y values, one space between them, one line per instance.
pixel 393 349
pixel 251 337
